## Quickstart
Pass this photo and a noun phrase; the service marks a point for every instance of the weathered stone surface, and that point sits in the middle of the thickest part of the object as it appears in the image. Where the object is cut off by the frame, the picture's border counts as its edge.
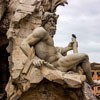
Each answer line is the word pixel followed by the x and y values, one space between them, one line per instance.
pixel 71 79
pixel 9 88
pixel 51 74
pixel 34 75
pixel 47 90
pixel 87 92
pixel 74 80
pixel 2 8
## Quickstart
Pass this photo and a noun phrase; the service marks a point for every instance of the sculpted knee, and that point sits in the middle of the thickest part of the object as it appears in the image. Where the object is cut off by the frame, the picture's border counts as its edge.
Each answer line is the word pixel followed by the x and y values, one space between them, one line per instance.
pixel 86 57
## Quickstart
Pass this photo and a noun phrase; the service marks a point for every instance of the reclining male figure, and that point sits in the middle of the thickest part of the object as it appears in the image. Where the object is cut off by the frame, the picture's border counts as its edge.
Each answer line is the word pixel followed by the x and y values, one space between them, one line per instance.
pixel 41 39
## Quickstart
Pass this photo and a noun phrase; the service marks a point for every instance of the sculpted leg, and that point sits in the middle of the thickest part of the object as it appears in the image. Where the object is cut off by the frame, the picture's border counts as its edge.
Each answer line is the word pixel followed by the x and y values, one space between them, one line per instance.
pixel 87 70
pixel 70 61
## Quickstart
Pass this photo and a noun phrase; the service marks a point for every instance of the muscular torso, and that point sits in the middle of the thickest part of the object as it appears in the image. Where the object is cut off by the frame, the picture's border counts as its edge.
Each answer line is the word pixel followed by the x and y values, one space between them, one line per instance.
pixel 45 49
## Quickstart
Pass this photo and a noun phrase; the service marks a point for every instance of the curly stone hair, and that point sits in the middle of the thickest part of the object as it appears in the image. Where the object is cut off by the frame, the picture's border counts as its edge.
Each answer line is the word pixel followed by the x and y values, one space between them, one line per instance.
pixel 47 16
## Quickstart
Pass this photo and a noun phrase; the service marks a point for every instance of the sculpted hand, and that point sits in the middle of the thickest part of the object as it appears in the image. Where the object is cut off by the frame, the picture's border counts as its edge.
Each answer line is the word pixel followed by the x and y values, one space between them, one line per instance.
pixel 70 45
pixel 38 62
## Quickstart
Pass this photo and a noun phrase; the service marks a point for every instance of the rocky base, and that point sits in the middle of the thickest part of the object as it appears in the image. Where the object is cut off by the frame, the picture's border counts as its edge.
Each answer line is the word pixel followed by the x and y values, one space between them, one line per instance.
pixel 47 90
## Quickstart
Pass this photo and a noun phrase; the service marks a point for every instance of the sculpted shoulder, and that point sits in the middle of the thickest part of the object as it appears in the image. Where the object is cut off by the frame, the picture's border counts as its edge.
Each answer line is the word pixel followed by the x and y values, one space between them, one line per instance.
pixel 37 34
pixel 39 31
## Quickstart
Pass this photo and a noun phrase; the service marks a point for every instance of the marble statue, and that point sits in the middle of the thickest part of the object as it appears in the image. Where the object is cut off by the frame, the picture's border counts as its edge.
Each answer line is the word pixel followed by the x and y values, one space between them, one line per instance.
pixel 33 55
pixel 41 40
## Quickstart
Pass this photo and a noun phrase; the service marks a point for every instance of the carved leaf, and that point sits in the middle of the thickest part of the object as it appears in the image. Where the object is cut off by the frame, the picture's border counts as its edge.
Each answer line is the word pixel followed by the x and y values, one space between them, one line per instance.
pixel 56 3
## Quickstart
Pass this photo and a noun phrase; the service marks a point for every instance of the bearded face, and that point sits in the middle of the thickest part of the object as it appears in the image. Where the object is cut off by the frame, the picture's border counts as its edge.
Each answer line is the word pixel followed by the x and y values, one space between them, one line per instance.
pixel 50 27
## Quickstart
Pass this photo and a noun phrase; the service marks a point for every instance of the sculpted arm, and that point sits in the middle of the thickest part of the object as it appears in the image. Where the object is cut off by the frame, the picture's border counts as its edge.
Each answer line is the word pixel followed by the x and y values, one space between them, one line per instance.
pixel 32 40
pixel 64 50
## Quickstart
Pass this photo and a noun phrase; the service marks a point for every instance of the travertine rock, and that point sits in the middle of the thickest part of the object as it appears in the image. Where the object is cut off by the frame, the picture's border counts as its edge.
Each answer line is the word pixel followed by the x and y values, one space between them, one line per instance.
pixel 87 92
pixel 71 79
pixel 2 7
pixel 47 90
